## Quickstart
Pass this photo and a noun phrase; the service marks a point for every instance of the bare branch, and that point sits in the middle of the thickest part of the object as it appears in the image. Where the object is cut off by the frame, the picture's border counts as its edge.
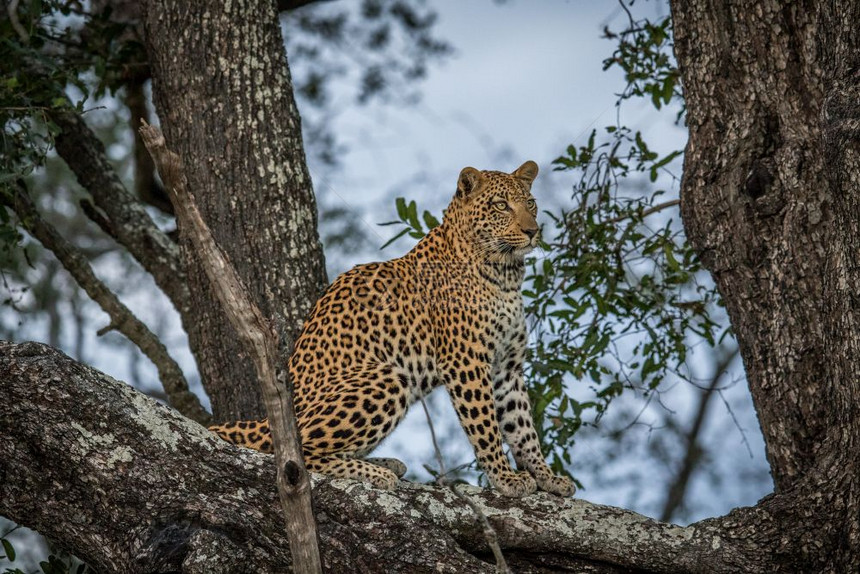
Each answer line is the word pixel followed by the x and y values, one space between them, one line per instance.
pixel 646 212
pixel 677 491
pixel 146 186
pixel 97 217
pixel 12 12
pixel 261 341
pixel 122 319
pixel 134 229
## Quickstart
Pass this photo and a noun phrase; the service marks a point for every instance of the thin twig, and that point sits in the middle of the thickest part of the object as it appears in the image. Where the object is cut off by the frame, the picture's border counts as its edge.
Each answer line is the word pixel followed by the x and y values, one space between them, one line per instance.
pixel 646 212
pixel 737 423
pixel 489 532
pixel 12 10
pixel 121 318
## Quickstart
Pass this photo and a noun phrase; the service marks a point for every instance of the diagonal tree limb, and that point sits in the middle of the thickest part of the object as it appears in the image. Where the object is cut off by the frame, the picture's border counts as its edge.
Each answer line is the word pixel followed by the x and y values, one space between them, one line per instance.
pixel 261 342
pixel 121 318
pixel 97 217
pixel 133 228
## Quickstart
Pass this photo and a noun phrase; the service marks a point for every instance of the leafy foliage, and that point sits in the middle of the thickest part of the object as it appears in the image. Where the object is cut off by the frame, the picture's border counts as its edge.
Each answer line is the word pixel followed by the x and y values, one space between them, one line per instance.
pixel 644 53
pixel 53 564
pixel 407 214
pixel 32 89
pixel 616 299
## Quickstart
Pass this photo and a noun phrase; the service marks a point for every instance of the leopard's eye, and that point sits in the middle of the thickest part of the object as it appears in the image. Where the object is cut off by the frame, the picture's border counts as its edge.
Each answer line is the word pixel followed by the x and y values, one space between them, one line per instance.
pixel 500 205
pixel 531 204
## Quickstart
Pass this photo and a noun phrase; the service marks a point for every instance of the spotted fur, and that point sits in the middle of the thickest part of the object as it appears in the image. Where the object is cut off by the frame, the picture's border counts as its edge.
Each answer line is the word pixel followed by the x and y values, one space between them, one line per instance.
pixel 449 312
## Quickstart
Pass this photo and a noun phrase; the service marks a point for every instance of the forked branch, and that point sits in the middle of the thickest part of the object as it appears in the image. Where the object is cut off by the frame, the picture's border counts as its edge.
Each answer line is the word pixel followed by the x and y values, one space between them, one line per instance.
pixel 121 318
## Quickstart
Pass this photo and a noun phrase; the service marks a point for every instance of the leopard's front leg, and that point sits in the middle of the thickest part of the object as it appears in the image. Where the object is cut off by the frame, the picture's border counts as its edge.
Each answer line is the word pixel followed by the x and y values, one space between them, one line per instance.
pixel 470 388
pixel 513 411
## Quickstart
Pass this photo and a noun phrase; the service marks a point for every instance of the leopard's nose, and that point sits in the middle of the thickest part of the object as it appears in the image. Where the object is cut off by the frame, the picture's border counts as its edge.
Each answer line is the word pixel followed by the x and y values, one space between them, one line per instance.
pixel 531 232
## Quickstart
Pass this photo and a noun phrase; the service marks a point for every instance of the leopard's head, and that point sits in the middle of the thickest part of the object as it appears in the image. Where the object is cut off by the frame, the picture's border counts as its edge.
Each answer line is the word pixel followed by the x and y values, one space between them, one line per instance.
pixel 496 211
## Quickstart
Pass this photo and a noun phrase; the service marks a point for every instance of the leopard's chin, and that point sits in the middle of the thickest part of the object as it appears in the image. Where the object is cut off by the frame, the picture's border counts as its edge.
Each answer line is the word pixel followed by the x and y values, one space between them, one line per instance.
pixel 526 247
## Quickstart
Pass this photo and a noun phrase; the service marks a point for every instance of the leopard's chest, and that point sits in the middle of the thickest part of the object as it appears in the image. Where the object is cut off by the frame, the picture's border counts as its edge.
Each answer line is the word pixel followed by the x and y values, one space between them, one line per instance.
pixel 508 320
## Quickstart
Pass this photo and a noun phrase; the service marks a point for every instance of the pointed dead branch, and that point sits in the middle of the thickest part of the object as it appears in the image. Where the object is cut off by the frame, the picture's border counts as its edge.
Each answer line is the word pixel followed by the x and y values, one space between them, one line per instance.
pixel 261 341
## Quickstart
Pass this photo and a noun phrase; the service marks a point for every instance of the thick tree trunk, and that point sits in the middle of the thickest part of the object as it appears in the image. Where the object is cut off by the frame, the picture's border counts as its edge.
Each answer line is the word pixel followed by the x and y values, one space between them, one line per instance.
pixel 131 486
pixel 771 200
pixel 224 96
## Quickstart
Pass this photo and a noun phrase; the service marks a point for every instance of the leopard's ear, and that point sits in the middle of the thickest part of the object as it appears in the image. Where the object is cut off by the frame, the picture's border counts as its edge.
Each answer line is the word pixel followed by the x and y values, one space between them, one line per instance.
pixel 468 181
pixel 528 172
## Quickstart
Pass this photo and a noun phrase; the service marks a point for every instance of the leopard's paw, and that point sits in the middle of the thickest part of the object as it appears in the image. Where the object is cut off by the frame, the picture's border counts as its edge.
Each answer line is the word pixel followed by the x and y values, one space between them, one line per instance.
pixel 392 464
pixel 514 484
pixel 384 478
pixel 560 485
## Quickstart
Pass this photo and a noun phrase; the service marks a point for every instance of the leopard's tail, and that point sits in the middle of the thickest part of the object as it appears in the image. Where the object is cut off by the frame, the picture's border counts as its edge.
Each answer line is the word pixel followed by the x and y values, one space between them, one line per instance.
pixel 251 434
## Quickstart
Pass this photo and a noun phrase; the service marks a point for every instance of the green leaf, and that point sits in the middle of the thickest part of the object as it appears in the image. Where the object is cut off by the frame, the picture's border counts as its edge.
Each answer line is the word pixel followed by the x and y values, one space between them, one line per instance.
pixel 430 221
pixel 8 549
pixel 668 158
pixel 400 203
pixel 412 216
pixel 670 257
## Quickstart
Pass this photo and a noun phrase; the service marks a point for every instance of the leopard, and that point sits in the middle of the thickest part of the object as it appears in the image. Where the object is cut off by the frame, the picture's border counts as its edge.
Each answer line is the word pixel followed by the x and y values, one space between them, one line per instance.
pixel 448 313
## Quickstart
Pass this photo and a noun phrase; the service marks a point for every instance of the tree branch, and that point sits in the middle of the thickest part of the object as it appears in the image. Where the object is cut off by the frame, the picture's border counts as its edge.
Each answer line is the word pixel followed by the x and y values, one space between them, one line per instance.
pixel 290 5
pixel 78 445
pixel 678 490
pixel 261 342
pixel 97 217
pixel 646 212
pixel 146 186
pixel 121 318
pixel 134 229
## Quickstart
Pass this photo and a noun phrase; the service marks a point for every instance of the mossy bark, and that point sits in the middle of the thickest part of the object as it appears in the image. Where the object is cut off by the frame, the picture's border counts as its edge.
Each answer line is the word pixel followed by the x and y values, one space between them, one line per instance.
pixel 770 199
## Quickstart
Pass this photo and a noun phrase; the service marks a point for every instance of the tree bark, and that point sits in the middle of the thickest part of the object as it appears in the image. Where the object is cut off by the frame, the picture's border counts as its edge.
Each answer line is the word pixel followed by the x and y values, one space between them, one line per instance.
pixel 770 198
pixel 135 487
pixel 224 96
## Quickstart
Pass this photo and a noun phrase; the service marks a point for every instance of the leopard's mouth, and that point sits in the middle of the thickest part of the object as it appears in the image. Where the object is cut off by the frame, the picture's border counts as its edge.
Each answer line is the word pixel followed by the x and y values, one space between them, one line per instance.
pixel 519 248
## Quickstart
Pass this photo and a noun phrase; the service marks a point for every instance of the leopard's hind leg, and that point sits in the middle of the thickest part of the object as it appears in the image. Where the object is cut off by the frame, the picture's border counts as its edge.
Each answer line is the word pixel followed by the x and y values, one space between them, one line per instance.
pixel 346 416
